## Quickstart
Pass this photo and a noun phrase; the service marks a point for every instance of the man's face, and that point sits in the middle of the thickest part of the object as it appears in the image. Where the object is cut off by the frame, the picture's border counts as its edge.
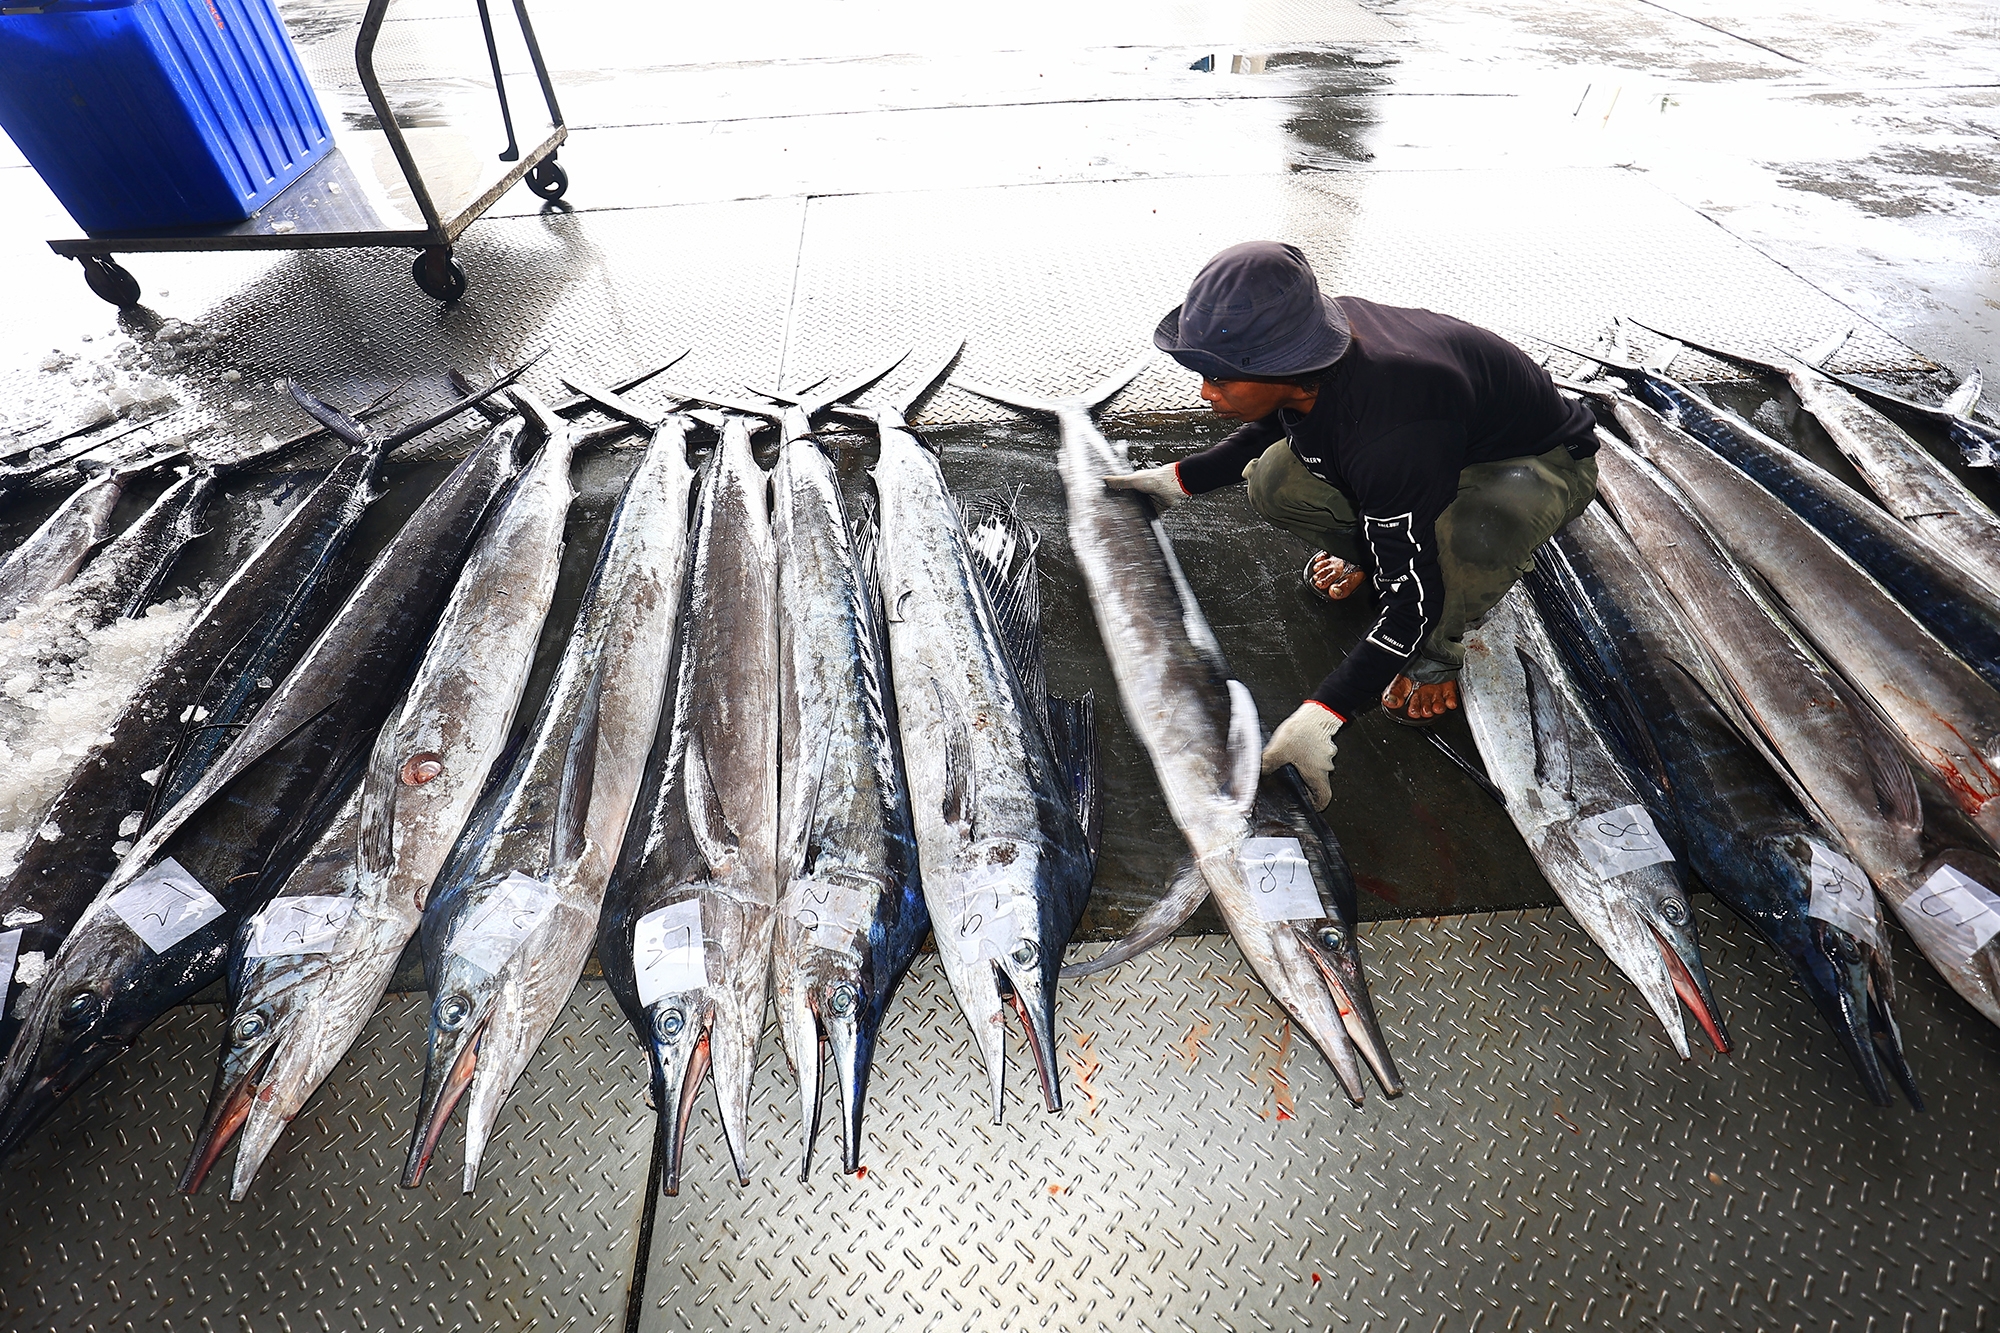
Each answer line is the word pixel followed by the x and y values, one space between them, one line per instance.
pixel 1249 400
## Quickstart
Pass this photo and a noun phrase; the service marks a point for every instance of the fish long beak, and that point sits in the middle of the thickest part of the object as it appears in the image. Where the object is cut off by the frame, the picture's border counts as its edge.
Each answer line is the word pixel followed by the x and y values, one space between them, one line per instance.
pixel 1690 980
pixel 850 1069
pixel 228 1107
pixel 1337 955
pixel 441 1097
pixel 1839 987
pixel 1885 1036
pixel 1038 1021
pixel 678 1044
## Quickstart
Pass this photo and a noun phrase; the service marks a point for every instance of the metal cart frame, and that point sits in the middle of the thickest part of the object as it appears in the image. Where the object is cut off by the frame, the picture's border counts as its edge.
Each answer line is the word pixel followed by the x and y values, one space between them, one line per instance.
pixel 313 213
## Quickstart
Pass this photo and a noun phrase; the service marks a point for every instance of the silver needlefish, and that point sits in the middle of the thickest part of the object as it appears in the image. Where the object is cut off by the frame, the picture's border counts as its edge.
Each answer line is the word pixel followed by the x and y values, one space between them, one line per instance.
pixel 1199 725
pixel 1828 745
pixel 1911 484
pixel 1947 716
pixel 851 911
pixel 1002 778
pixel 162 926
pixel 56 550
pixel 122 578
pixel 308 972
pixel 685 937
pixel 1582 816
pixel 507 931
pixel 1958 609
pixel 1744 833
pixel 1978 441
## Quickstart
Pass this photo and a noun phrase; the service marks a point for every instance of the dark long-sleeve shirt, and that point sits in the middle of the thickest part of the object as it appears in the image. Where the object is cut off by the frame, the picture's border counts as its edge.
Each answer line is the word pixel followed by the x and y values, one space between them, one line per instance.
pixel 1418 397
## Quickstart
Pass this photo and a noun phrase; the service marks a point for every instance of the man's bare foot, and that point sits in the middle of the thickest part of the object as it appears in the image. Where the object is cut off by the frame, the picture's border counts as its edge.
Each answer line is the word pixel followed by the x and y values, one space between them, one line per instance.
pixel 1420 703
pixel 1331 577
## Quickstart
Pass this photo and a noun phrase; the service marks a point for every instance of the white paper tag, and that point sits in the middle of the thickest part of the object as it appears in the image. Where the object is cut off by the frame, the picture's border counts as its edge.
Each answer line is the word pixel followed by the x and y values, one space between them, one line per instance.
pixel 994 916
pixel 165 905
pixel 1948 901
pixel 669 952
pixel 1620 841
pixel 1281 883
pixel 1843 898
pixel 834 914
pixel 10 947
pixel 496 930
pixel 309 923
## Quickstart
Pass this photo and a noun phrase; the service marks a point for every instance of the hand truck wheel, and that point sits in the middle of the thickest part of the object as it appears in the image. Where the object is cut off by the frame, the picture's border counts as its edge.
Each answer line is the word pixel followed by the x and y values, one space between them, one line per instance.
pixel 439 274
pixel 548 179
pixel 111 280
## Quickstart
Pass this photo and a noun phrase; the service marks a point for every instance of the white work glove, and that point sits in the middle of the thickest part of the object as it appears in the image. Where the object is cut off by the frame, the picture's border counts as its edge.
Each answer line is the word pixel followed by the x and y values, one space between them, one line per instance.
pixel 1305 741
pixel 1160 484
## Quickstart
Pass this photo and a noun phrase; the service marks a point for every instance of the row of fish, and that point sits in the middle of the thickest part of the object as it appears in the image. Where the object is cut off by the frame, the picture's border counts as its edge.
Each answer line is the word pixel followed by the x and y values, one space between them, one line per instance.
pixel 852 746
pixel 1736 664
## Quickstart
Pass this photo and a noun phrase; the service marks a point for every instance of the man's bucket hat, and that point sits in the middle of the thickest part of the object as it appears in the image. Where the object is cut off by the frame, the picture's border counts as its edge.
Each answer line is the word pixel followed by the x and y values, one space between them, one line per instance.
pixel 1254 311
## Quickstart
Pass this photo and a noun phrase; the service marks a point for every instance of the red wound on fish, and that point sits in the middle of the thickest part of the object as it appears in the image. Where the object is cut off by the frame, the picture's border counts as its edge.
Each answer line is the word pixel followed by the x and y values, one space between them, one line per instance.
pixel 421 768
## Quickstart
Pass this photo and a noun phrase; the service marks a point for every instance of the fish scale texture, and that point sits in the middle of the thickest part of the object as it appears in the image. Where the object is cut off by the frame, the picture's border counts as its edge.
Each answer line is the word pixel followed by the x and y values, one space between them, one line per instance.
pixel 1553 1167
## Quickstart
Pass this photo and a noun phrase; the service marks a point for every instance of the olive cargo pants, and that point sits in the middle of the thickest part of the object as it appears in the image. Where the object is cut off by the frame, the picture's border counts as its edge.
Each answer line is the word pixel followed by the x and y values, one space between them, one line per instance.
pixel 1486 537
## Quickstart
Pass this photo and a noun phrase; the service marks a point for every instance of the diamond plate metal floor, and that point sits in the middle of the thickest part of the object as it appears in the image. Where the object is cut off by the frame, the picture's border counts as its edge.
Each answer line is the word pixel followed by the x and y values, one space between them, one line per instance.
pixel 1553 1167
pixel 93 1234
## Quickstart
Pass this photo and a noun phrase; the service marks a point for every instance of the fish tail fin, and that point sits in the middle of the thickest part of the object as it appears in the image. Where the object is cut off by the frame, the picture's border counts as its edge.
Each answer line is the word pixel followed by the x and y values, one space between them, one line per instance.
pixel 1246 747
pixel 1073 738
pixel 1109 386
pixel 1003 553
pixel 1185 892
pixel 1011 397
pixel 1824 351
pixel 929 379
pixel 1965 397
pixel 343 427
pixel 847 388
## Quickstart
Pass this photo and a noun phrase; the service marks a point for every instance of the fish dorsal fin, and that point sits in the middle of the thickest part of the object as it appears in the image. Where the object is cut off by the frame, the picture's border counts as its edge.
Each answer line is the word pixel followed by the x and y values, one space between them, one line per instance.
pixel 707 821
pixel 1003 555
pixel 572 812
pixel 1246 747
pixel 1964 398
pixel 1550 726
pixel 1073 739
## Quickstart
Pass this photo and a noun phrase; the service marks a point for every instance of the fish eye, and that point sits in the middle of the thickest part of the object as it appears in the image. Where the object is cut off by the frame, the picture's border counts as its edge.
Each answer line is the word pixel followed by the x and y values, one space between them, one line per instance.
pixel 251 1026
pixel 452 1012
pixel 82 1006
pixel 841 1002
pixel 1025 953
pixel 668 1023
pixel 1330 937
pixel 1674 912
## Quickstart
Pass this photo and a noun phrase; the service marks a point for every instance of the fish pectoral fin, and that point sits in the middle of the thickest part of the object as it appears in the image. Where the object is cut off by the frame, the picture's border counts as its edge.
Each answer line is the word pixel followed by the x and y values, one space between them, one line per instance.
pixel 1895 787
pixel 1549 725
pixel 1246 747
pixel 578 777
pixel 706 820
pixel 961 795
pixel 1186 891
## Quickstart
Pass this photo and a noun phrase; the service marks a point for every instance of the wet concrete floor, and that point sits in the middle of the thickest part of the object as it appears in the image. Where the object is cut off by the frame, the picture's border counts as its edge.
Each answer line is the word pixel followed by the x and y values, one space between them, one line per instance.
pixel 1841 152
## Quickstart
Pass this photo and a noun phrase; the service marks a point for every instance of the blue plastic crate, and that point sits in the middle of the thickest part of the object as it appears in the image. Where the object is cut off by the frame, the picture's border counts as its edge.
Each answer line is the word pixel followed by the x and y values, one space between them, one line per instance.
pixel 150 115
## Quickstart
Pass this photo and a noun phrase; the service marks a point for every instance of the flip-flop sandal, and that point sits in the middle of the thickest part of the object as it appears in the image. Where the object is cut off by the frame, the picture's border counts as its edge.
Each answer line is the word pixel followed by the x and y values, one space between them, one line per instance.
pixel 1401 716
pixel 1314 588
